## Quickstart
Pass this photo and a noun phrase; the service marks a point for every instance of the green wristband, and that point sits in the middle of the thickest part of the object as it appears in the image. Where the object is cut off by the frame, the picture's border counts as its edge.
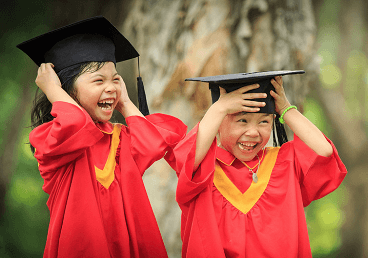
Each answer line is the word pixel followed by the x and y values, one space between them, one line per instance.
pixel 281 119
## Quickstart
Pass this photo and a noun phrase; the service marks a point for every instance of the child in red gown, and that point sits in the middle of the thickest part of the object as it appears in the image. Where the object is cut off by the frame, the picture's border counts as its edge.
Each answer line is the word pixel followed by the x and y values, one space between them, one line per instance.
pixel 92 169
pixel 238 198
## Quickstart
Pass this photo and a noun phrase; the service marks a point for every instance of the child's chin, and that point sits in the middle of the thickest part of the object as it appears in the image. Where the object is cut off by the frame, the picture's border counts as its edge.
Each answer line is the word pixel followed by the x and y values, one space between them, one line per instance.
pixel 101 120
pixel 248 155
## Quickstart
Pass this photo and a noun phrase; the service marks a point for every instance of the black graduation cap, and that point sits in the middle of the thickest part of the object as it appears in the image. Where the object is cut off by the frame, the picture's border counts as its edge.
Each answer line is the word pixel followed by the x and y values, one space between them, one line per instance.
pixel 231 82
pixel 90 40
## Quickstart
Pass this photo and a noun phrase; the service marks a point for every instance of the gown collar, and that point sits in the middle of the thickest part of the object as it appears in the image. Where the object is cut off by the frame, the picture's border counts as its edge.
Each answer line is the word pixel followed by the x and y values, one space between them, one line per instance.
pixel 106 128
pixel 224 156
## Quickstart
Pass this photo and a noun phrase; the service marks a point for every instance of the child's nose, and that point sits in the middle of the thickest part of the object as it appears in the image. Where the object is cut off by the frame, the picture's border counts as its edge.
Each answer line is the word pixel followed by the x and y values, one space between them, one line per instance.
pixel 251 132
pixel 110 88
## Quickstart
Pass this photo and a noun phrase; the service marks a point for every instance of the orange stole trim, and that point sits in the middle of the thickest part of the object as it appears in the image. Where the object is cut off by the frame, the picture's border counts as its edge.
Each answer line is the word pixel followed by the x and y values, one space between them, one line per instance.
pixel 245 201
pixel 107 175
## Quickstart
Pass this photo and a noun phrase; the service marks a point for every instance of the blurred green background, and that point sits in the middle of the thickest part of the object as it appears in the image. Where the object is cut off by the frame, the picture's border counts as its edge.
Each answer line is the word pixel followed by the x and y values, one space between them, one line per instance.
pixel 342 39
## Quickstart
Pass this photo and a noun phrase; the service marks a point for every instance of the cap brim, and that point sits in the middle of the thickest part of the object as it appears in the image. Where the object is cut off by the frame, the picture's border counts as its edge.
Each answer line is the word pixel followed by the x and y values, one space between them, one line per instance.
pixel 243 77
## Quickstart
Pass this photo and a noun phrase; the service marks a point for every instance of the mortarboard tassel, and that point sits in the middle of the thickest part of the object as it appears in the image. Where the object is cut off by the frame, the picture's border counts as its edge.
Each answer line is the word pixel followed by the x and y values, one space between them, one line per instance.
pixel 143 106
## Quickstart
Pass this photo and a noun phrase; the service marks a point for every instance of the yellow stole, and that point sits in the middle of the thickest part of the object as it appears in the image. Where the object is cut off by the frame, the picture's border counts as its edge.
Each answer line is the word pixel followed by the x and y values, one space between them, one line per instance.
pixel 107 175
pixel 245 201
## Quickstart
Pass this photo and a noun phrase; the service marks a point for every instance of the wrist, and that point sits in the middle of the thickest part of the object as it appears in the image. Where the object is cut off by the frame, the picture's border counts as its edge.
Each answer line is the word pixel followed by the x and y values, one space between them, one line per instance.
pixel 127 108
pixel 284 111
pixel 219 109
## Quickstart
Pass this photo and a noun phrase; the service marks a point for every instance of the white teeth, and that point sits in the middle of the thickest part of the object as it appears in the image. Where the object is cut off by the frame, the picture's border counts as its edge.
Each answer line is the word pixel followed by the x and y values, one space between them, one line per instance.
pixel 243 146
pixel 248 144
pixel 109 101
pixel 106 104
pixel 106 108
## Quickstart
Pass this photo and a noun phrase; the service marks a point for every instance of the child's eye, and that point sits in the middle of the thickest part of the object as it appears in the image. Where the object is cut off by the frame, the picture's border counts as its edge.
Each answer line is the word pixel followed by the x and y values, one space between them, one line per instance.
pixel 242 120
pixel 99 81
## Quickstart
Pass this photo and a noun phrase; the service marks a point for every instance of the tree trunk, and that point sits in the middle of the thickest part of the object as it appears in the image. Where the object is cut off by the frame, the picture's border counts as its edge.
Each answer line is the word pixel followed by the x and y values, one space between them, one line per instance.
pixel 182 39
pixel 346 108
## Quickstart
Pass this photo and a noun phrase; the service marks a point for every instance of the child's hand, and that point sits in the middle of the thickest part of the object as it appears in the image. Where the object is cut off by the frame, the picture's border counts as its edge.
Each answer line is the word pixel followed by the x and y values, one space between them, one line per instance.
pixel 47 77
pixel 241 101
pixel 124 97
pixel 281 102
pixel 125 106
pixel 48 81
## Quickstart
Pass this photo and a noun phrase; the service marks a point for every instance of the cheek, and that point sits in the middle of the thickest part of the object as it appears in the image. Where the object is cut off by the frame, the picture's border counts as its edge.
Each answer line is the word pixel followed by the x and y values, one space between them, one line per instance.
pixel 266 133
pixel 229 136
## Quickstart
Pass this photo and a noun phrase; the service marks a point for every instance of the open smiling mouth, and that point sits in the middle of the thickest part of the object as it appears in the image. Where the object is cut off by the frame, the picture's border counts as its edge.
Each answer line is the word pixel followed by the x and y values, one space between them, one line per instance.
pixel 247 146
pixel 106 104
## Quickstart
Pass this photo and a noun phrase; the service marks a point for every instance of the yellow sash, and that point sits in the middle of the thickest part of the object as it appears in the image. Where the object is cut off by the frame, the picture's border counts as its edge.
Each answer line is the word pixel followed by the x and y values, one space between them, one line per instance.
pixel 245 201
pixel 107 175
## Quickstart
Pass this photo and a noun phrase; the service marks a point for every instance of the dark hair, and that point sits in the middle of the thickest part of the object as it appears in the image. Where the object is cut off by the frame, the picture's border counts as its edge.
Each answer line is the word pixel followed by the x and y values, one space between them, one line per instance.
pixel 41 110
pixel 280 131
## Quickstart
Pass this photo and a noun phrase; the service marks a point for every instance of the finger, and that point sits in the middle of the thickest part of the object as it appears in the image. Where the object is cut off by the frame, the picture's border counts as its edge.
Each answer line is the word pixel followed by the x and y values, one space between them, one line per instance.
pixel 49 65
pixel 42 67
pixel 275 83
pixel 274 95
pixel 250 109
pixel 279 79
pixel 249 103
pixel 278 87
pixel 248 88
pixel 254 95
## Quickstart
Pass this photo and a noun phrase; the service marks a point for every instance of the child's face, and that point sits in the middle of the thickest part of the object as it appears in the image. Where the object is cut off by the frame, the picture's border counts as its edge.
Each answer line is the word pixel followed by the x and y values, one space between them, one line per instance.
pixel 245 134
pixel 98 92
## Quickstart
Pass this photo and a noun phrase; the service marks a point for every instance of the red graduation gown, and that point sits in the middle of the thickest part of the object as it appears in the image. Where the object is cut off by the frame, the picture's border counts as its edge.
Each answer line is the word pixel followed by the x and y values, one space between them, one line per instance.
pixel 93 174
pixel 224 214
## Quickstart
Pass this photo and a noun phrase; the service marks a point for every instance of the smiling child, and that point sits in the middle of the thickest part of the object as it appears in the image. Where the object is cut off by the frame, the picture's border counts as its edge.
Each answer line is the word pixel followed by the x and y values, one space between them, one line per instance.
pixel 92 169
pixel 242 199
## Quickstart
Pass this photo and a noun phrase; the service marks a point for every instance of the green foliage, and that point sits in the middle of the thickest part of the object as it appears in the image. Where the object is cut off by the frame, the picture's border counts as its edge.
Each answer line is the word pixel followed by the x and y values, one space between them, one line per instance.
pixel 356 90
pixel 324 219
pixel 23 227
pixel 314 112
pixel 325 216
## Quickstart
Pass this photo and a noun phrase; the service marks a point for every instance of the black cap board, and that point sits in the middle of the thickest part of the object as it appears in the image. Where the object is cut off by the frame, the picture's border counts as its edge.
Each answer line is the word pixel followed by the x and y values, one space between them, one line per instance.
pixel 94 39
pixel 231 82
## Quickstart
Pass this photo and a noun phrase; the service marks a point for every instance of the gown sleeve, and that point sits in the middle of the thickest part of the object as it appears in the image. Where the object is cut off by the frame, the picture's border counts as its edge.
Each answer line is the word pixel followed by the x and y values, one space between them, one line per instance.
pixel 152 137
pixel 190 182
pixel 318 175
pixel 63 139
